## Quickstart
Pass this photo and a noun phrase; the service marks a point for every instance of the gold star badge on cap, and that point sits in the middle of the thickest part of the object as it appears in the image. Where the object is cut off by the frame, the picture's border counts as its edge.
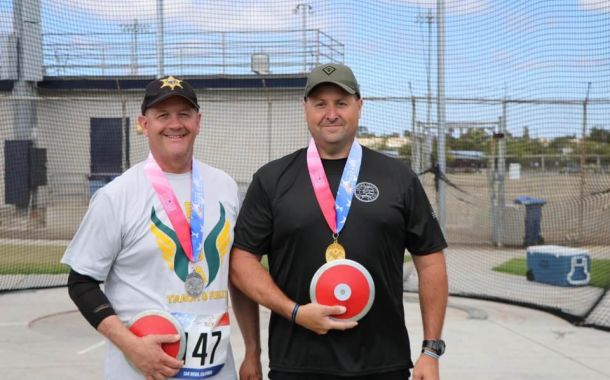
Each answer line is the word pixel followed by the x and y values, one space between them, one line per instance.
pixel 171 82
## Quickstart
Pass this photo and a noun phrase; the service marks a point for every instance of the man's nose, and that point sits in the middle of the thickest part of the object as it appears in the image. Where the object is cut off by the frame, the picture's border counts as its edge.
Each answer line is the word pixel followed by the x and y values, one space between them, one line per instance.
pixel 331 113
pixel 174 121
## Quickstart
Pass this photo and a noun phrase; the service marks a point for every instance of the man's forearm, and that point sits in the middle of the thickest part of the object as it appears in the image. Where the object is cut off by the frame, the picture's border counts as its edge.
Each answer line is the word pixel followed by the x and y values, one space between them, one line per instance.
pixel 433 292
pixel 247 315
pixel 113 329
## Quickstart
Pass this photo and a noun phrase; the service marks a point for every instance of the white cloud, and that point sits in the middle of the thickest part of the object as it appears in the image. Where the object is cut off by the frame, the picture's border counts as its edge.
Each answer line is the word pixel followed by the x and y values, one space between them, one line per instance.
pixel 199 15
pixel 247 16
pixel 596 5
pixel 110 9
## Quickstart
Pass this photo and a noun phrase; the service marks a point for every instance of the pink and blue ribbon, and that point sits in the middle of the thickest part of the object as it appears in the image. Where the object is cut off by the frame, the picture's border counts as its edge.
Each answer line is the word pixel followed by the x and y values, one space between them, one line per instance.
pixel 189 235
pixel 335 211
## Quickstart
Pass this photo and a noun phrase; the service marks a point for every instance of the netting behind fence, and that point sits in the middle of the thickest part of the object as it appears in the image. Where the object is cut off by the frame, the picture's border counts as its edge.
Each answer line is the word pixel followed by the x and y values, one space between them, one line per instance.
pixel 527 99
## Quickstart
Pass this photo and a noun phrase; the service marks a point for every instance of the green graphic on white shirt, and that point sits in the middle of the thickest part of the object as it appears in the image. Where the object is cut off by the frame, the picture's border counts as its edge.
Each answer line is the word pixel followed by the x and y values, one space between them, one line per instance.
pixel 215 247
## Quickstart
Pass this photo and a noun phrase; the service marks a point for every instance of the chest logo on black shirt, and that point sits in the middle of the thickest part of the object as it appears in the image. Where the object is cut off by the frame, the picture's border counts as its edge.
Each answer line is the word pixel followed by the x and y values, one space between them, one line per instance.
pixel 366 192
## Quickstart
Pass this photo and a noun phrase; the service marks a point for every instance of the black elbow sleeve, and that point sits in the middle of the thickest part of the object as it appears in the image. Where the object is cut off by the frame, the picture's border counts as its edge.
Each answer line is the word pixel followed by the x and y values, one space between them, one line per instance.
pixel 89 298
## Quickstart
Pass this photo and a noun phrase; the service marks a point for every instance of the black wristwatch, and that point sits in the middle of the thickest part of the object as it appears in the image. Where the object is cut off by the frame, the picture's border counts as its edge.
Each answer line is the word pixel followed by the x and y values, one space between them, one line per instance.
pixel 436 346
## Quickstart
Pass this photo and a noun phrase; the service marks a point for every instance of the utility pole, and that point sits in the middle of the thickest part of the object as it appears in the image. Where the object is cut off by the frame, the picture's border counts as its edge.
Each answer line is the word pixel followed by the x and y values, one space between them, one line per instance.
pixel 429 19
pixel 440 16
pixel 304 9
pixel 415 143
pixel 160 40
pixel 262 71
pixel 27 28
pixel 583 165
pixel 134 28
pixel 499 176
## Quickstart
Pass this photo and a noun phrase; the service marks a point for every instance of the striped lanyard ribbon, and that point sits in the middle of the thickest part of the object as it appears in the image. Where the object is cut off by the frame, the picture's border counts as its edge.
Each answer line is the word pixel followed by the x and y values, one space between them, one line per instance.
pixel 335 211
pixel 190 236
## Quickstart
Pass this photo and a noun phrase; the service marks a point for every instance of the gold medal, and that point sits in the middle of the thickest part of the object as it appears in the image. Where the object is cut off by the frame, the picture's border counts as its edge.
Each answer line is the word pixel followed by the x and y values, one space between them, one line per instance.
pixel 335 251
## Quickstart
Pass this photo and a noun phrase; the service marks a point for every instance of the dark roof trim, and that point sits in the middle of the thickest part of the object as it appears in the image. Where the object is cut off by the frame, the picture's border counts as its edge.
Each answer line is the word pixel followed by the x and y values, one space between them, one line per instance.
pixel 7 85
pixel 296 81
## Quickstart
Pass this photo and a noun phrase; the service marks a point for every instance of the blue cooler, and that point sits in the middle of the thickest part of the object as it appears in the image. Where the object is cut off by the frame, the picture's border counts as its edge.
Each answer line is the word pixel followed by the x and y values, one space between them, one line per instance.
pixel 556 265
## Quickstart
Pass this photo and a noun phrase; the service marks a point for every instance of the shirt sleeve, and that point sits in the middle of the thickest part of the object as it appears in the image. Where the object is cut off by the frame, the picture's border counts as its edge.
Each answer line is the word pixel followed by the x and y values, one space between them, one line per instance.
pixel 254 227
pixel 423 232
pixel 97 242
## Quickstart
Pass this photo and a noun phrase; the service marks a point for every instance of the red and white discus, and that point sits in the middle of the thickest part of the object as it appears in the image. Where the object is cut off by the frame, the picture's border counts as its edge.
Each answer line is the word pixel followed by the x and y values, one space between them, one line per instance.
pixel 159 322
pixel 343 282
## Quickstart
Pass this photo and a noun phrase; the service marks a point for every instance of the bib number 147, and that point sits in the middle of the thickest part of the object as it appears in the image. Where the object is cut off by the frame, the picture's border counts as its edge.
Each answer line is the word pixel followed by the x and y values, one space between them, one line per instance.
pixel 205 346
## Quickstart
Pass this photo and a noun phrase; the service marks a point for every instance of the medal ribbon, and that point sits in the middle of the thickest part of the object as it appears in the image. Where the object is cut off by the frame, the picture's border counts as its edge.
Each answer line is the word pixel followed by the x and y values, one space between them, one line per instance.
pixel 335 211
pixel 190 237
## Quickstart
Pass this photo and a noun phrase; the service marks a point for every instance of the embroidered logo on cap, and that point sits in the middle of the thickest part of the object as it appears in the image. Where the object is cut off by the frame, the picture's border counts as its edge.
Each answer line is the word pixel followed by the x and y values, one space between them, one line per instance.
pixel 329 70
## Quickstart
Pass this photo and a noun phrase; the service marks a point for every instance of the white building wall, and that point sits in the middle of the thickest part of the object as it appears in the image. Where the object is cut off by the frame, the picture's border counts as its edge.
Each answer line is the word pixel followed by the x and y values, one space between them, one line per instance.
pixel 238 135
pixel 64 129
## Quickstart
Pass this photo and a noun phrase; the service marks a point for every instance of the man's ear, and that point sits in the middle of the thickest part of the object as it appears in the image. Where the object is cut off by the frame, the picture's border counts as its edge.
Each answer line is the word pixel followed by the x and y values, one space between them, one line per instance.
pixel 199 117
pixel 143 125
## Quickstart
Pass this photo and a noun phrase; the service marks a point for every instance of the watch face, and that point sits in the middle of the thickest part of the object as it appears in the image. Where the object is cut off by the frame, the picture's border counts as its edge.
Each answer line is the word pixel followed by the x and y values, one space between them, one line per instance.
pixel 438 346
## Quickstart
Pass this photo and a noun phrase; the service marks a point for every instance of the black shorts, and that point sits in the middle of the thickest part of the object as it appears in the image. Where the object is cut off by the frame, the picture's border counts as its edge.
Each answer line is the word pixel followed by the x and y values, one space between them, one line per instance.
pixel 394 375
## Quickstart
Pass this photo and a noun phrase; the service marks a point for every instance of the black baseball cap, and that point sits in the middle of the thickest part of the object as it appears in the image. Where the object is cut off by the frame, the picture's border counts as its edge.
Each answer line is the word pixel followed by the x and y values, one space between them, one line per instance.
pixel 335 73
pixel 163 88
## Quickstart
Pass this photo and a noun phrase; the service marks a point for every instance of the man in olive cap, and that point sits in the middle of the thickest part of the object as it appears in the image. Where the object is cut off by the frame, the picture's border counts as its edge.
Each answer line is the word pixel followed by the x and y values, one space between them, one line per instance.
pixel 335 219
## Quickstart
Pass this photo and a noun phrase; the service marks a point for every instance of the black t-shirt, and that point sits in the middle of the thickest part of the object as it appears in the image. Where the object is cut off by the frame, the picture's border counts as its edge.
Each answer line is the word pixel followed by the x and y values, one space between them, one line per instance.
pixel 280 217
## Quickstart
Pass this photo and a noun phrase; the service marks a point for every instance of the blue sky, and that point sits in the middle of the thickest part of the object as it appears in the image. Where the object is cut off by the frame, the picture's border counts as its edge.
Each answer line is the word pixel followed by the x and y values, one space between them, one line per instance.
pixel 515 49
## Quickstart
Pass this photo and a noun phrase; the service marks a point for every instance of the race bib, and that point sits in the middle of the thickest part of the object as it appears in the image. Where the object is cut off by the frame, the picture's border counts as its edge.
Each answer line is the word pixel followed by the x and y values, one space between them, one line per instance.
pixel 207 344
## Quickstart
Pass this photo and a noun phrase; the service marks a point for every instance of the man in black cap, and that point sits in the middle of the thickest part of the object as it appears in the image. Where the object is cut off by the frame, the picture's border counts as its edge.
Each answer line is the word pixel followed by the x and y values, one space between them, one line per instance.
pixel 159 237
pixel 335 219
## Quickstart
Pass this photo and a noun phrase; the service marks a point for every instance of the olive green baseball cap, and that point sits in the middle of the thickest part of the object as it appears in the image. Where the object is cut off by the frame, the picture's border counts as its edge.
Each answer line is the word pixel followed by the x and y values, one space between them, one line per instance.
pixel 334 73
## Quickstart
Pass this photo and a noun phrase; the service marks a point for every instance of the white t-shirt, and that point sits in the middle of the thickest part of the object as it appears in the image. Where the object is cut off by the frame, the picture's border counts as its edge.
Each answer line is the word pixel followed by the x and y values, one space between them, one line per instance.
pixel 127 240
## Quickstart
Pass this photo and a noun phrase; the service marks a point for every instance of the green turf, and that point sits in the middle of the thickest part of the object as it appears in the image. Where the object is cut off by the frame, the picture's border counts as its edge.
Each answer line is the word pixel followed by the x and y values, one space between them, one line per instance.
pixel 512 266
pixel 600 271
pixel 31 259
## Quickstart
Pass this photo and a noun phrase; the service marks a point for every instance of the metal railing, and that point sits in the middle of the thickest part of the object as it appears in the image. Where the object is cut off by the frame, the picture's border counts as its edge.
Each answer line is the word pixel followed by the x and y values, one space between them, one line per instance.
pixel 211 53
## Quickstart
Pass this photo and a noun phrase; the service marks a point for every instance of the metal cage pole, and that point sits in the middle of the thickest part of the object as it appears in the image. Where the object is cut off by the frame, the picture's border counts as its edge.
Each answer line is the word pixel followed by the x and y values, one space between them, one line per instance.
pixel 160 40
pixel 440 16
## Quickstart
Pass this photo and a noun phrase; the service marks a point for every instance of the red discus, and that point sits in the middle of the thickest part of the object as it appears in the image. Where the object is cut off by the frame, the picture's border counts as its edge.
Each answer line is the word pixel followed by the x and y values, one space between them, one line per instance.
pixel 343 282
pixel 158 322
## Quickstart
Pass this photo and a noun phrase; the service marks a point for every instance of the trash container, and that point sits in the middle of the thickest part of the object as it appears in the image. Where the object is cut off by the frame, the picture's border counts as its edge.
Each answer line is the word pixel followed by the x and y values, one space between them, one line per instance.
pixel 533 218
